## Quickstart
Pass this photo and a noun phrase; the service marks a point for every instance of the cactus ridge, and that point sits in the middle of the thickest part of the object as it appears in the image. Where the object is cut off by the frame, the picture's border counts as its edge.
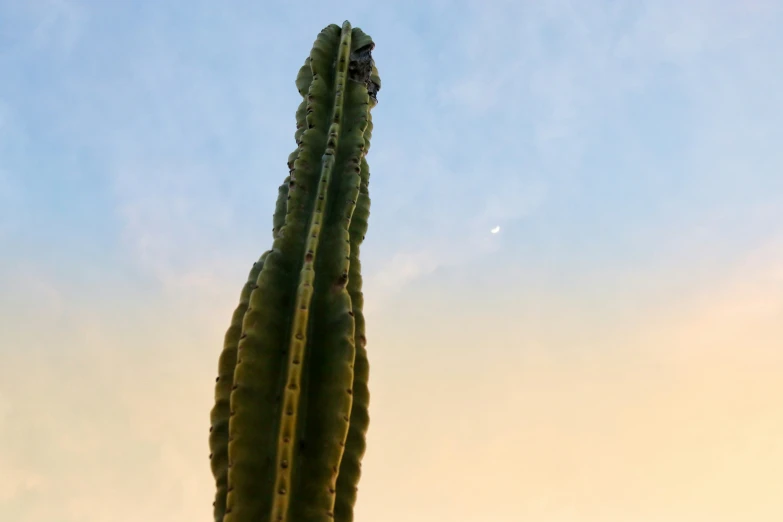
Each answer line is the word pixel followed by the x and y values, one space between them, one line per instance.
pixel 219 415
pixel 355 445
pixel 290 415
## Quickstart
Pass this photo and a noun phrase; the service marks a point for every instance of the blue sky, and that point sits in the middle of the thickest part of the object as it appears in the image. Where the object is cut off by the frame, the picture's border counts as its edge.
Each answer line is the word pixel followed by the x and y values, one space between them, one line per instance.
pixel 591 130
pixel 629 152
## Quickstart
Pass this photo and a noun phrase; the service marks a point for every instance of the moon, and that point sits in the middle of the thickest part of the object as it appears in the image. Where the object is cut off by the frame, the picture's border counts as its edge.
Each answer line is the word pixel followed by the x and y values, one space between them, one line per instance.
pixel 495 230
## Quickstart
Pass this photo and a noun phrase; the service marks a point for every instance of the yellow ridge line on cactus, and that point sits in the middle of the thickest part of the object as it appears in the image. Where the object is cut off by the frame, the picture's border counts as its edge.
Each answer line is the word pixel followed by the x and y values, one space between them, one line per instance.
pixel 298 342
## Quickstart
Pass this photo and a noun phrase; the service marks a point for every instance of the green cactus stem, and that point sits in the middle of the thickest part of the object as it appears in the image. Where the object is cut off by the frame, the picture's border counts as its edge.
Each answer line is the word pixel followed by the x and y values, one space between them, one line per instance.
pixel 291 399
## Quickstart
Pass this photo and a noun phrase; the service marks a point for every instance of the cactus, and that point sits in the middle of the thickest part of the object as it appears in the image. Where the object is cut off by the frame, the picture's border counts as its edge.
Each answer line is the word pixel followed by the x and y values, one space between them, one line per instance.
pixel 288 426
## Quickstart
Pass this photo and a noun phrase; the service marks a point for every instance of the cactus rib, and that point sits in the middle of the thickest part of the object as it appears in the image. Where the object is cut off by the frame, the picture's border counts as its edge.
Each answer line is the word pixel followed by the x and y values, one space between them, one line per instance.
pixel 350 466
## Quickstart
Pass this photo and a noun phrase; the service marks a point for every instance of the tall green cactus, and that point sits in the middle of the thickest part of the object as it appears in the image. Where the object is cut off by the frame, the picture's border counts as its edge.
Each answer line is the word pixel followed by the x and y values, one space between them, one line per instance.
pixel 291 401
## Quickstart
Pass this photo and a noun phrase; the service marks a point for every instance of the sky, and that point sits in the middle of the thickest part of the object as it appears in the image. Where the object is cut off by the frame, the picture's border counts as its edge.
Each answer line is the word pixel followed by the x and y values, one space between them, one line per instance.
pixel 614 353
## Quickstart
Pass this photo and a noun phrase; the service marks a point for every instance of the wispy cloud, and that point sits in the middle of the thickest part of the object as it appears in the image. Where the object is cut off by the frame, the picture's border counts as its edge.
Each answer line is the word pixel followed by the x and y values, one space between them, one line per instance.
pixel 611 354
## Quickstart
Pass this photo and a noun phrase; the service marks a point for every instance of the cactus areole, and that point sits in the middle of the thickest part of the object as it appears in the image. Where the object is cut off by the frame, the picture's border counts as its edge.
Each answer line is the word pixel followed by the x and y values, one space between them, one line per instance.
pixel 290 417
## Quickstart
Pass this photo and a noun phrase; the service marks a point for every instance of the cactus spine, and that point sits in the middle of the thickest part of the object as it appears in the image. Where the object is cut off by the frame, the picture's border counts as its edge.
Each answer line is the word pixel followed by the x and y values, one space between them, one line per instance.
pixel 291 400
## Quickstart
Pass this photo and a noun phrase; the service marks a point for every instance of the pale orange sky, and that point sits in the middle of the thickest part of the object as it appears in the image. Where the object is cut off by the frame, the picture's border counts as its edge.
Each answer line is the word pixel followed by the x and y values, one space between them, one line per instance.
pixel 673 414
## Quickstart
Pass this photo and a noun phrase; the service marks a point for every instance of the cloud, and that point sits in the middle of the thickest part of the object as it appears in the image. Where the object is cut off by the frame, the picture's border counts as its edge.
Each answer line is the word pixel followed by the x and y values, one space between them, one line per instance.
pixel 53 25
pixel 100 402
pixel 633 385
pixel 13 142
pixel 658 420
pixel 665 413
pixel 448 237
